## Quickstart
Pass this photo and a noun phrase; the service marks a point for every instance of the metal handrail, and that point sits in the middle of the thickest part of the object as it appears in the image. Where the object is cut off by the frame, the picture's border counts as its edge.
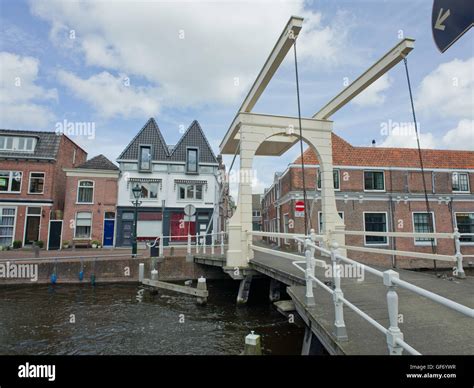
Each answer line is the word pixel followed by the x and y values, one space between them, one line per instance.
pixel 395 341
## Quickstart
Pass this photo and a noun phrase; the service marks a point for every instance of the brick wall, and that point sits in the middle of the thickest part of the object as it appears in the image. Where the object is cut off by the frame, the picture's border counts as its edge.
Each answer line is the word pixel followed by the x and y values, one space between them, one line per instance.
pixel 105 200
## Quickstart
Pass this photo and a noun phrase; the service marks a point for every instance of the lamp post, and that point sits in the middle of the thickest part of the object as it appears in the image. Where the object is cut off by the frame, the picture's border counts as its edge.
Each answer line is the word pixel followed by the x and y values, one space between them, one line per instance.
pixel 137 193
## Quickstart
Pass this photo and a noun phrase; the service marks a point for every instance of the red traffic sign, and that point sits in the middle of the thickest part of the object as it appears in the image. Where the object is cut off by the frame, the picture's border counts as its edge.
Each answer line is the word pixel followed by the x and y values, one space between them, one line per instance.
pixel 299 206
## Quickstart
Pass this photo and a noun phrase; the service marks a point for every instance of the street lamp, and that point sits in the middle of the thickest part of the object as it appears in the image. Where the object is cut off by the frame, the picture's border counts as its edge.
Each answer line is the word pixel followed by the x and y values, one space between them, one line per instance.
pixel 137 193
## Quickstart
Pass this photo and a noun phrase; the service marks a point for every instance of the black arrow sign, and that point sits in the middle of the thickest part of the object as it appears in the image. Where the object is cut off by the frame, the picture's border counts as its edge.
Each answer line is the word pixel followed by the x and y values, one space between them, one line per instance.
pixel 450 19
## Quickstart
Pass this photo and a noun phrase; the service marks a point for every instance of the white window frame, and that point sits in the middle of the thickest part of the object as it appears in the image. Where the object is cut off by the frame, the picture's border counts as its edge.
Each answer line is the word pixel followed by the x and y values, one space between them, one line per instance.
pixel 468 183
pixel 318 172
pixel 14 221
pixel 142 198
pixel 387 243
pixel 319 219
pixel 185 185
pixel 93 191
pixel 29 182
pixel 197 160
pixel 75 225
pixel 464 243
pixel 423 243
pixel 16 142
pixel 10 180
pixel 373 191
pixel 140 147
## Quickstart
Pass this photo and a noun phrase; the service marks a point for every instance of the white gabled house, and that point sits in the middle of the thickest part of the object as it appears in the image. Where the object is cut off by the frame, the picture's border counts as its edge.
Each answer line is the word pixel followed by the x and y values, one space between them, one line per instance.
pixel 170 178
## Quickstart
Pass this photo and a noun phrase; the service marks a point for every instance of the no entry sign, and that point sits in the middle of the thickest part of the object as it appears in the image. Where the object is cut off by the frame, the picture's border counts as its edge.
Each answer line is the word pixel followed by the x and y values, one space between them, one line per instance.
pixel 299 206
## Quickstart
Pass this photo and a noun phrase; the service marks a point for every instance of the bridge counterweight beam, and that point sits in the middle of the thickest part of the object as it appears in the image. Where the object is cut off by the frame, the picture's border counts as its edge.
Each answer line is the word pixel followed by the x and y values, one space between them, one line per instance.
pixel 244 289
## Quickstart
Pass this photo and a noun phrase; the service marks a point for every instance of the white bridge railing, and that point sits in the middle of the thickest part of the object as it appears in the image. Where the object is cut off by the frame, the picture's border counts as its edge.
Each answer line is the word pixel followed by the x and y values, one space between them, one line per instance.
pixel 390 278
pixel 200 242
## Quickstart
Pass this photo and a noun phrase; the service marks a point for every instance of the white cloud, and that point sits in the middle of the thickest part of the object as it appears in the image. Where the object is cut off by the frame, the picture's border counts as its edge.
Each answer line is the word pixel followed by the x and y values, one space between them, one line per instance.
pixel 221 42
pixel 448 91
pixel 459 138
pixel 21 99
pixel 400 140
pixel 110 96
pixel 373 96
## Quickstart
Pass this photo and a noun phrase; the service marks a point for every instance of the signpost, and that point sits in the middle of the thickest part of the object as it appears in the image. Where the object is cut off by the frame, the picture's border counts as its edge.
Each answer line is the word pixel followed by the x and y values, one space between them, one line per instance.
pixel 450 20
pixel 299 209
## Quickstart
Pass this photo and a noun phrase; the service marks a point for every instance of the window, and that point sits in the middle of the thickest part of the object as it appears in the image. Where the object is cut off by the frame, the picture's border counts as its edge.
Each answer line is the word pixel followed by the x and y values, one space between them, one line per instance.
pixel 83 225
pixel 460 182
pixel 10 181
pixel 149 190
pixel 374 181
pixel 256 213
pixel 421 224
pixel 7 225
pixel 193 192
pixel 335 177
pixel 375 222
pixel 145 158
pixel 17 144
pixel 129 166
pixel 85 192
pixel 36 183
pixel 109 215
pixel 320 216
pixel 192 160
pixel 465 224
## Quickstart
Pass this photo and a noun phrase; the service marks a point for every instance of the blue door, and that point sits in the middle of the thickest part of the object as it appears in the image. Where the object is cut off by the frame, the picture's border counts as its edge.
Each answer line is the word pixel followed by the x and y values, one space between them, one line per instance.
pixel 109 233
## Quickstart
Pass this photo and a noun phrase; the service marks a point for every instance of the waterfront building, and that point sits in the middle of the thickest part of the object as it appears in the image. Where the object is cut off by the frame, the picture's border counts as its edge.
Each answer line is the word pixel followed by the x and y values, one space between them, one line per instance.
pixel 32 185
pixel 381 189
pixel 257 211
pixel 170 177
pixel 90 203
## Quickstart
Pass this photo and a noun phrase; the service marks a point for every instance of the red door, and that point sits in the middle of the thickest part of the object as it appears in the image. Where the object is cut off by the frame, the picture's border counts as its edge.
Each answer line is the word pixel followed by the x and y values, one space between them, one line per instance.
pixel 180 228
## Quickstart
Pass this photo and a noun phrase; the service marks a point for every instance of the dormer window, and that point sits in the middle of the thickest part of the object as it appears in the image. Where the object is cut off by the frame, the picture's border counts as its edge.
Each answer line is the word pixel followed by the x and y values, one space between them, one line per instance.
pixel 145 158
pixel 17 144
pixel 192 160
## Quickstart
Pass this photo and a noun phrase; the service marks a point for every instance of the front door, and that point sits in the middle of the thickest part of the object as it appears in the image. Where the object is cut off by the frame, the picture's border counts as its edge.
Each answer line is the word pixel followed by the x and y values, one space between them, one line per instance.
pixel 55 230
pixel 109 226
pixel 32 227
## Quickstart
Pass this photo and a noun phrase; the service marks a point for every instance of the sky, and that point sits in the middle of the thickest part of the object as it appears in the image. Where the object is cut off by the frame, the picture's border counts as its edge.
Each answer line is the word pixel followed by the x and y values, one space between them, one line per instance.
pixel 99 70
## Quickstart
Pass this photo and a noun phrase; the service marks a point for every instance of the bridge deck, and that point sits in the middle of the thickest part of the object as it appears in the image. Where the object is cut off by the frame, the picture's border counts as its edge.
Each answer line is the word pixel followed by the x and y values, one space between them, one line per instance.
pixel 427 326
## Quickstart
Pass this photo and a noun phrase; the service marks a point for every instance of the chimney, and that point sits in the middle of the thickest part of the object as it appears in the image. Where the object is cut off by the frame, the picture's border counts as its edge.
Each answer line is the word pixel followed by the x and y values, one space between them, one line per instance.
pixel 373 142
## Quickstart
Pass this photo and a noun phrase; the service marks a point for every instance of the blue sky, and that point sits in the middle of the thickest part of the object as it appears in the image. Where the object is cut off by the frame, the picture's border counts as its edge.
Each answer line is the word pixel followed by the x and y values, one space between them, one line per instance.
pixel 114 64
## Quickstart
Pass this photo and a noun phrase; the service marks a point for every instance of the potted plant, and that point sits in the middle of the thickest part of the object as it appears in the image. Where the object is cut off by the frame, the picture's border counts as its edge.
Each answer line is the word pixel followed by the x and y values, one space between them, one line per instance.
pixel 66 244
pixel 95 244
pixel 17 244
pixel 39 244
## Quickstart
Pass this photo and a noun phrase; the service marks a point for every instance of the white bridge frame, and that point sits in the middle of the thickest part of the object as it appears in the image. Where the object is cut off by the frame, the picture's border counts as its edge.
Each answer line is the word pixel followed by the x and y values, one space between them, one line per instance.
pixel 253 134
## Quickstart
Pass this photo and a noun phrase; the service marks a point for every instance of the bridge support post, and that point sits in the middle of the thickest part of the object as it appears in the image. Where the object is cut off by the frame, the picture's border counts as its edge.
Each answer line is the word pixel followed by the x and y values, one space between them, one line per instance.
pixel 252 345
pixel 459 270
pixel 274 294
pixel 311 345
pixel 394 332
pixel 141 272
pixel 308 274
pixel 201 285
pixel 244 289
pixel 339 325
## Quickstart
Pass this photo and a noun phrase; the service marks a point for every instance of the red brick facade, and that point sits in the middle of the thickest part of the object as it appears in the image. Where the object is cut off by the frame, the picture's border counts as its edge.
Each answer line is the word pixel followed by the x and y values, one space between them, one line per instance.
pixel 104 201
pixel 51 200
pixel 403 195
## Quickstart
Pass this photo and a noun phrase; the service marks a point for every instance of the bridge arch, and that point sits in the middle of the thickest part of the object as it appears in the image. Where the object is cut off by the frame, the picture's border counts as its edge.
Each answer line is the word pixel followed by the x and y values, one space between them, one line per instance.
pixel 274 135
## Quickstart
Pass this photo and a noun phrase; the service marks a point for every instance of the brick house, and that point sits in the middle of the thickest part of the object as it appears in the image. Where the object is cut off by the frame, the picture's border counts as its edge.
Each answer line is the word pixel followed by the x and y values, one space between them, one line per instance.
pixel 381 189
pixel 32 185
pixel 90 202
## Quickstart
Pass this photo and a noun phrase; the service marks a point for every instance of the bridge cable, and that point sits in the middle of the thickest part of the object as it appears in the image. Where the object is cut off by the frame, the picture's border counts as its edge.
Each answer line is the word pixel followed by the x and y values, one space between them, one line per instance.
pixel 301 142
pixel 430 215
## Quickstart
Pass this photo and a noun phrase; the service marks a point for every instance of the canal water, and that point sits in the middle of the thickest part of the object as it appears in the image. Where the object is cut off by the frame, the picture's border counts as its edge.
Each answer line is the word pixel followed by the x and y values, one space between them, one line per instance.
pixel 125 319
